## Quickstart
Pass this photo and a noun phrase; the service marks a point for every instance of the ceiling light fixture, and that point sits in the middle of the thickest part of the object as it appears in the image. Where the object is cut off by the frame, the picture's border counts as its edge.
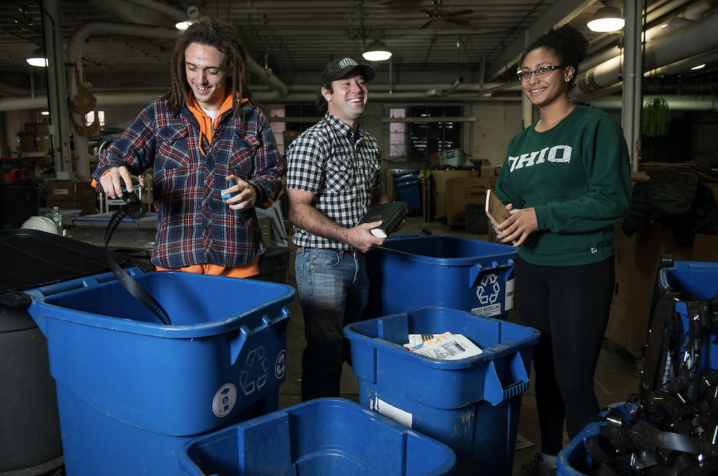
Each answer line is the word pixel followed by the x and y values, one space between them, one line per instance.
pixel 606 18
pixel 700 66
pixel 37 58
pixel 193 16
pixel 377 51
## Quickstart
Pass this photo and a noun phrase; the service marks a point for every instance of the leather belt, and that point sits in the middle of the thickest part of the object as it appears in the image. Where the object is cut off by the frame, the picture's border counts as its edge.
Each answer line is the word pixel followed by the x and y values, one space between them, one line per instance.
pixel 353 253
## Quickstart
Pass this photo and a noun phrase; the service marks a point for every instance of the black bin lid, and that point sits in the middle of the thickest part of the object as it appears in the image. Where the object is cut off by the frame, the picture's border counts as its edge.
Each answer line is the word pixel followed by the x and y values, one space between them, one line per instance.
pixel 31 259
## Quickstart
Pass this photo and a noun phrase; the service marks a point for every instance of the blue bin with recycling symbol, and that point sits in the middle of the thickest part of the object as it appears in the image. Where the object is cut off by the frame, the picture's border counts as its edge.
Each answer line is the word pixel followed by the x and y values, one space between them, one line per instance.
pixel 417 270
pixel 132 391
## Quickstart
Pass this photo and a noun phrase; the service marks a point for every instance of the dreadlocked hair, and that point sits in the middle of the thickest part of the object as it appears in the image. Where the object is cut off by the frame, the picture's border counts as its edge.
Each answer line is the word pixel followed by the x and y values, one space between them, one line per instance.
pixel 567 43
pixel 227 40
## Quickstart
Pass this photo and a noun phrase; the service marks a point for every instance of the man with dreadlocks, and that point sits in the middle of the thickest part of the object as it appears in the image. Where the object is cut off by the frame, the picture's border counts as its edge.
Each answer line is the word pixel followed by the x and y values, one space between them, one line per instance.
pixel 202 134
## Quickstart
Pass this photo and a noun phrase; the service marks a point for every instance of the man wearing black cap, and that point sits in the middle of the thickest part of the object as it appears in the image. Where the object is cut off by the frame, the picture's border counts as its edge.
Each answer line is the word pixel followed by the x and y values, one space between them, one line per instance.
pixel 333 177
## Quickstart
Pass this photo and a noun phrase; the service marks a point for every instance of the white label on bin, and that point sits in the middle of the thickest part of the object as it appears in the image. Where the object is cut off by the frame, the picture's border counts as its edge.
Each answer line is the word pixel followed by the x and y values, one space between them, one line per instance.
pixel 390 411
pixel 280 365
pixel 488 311
pixel 224 400
pixel 509 294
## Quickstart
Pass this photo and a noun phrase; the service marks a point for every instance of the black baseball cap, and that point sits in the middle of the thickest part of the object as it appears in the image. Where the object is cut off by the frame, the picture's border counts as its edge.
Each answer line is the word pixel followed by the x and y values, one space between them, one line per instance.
pixel 339 68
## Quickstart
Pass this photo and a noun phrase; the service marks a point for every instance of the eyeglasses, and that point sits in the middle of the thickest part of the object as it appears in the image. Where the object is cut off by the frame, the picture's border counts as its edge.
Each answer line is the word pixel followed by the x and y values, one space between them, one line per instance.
pixel 542 72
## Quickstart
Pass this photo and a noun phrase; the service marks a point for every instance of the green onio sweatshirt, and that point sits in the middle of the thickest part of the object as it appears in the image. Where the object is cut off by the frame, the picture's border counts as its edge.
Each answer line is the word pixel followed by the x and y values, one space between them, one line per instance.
pixel 577 177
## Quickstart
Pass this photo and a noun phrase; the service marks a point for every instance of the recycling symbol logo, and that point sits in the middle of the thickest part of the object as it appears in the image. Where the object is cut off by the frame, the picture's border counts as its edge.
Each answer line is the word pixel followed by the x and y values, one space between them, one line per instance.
pixel 280 365
pixel 488 290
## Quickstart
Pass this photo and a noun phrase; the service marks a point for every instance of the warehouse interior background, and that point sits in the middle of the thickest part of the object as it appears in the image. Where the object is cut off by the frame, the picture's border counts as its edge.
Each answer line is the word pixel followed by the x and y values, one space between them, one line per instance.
pixel 449 84
pixel 451 58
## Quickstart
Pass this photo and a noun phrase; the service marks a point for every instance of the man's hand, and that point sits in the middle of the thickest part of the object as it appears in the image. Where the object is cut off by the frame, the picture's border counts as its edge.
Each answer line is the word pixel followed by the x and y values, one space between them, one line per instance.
pixel 360 237
pixel 116 178
pixel 245 197
pixel 518 227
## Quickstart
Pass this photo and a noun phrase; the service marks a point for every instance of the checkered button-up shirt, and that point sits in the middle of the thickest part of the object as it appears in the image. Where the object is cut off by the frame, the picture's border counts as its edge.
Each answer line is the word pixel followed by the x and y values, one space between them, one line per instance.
pixel 341 169
pixel 194 224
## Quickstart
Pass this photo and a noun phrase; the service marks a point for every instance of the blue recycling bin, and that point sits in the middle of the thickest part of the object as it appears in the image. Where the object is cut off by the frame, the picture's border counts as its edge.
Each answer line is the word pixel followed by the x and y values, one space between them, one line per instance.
pixel 701 280
pixel 131 391
pixel 410 192
pixel 472 405
pixel 405 174
pixel 573 460
pixel 326 436
pixel 415 270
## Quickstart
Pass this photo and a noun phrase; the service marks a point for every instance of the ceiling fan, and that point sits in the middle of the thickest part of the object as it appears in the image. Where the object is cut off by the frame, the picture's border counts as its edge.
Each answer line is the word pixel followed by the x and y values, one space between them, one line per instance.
pixel 439 15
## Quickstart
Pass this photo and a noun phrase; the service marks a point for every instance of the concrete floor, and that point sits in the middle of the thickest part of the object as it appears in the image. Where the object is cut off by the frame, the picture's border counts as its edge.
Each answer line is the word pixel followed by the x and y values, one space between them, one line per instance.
pixel 615 378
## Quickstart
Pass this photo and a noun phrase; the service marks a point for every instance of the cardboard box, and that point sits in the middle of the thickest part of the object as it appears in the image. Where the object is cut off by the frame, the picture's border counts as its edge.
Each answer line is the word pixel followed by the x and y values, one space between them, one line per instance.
pixel 489 171
pixel 637 260
pixel 460 191
pixel 88 207
pixel 438 179
pixel 28 142
pixel 70 190
pixel 435 160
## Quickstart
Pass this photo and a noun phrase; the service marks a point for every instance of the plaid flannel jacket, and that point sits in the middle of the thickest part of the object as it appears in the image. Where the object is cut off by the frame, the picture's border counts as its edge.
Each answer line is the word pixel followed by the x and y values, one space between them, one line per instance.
pixel 194 224
pixel 342 169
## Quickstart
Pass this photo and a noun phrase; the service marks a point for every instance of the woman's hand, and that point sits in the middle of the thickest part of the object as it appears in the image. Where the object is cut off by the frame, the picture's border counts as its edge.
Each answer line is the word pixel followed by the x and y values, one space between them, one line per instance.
pixel 518 227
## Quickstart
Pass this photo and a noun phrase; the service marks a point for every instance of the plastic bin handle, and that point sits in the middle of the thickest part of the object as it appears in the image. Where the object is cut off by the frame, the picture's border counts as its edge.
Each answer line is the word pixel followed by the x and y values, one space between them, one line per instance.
pixel 243 333
pixel 495 391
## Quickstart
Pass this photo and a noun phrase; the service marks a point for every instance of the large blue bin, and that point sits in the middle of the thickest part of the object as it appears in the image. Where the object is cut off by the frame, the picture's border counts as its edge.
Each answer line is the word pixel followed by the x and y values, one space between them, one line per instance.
pixel 416 270
pixel 573 459
pixel 327 436
pixel 410 192
pixel 405 173
pixel 472 405
pixel 131 391
pixel 701 280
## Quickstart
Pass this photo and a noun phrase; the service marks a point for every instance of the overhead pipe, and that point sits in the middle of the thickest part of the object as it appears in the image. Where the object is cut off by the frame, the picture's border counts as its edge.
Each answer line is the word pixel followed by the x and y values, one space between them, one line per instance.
pixel 693 11
pixel 162 8
pixel 675 103
pixel 673 68
pixel 138 98
pixel 74 55
pixel 693 39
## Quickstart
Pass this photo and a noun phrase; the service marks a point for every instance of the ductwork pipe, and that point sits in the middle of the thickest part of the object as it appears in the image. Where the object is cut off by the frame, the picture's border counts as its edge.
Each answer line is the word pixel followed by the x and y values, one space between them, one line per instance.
pixel 140 99
pixel 162 8
pixel 675 103
pixel 693 39
pixel 74 55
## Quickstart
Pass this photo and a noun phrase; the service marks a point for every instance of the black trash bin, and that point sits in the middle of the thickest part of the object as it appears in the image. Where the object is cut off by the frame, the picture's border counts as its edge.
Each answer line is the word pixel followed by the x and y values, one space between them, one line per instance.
pixel 30 430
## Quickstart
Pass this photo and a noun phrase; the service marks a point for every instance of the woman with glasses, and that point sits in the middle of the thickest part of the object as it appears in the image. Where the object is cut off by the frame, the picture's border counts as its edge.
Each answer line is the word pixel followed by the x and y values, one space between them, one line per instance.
pixel 566 181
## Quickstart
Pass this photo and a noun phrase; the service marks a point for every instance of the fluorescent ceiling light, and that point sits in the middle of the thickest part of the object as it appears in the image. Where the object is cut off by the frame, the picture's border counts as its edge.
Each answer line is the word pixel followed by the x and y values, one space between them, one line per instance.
pixel 183 25
pixel 377 51
pixel 37 58
pixel 606 19
pixel 39 62
pixel 700 66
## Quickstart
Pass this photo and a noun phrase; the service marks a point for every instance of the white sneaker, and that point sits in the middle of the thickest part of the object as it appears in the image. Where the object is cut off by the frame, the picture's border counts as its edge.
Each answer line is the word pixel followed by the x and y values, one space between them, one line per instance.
pixel 536 467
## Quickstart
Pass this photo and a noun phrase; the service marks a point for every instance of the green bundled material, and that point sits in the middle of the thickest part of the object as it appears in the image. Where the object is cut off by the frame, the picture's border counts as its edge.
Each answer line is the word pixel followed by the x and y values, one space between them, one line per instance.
pixel 656 117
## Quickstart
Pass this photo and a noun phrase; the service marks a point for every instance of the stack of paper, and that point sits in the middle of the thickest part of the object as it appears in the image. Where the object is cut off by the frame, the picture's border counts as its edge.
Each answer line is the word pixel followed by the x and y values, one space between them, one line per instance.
pixel 446 346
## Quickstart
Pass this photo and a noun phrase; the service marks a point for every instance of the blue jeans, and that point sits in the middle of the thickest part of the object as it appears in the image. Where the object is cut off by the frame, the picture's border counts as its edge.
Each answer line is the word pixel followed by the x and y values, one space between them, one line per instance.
pixel 333 292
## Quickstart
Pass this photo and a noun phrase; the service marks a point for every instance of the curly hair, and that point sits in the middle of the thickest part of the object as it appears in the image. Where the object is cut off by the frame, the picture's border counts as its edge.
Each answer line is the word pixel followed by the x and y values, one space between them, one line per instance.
pixel 322 103
pixel 567 43
pixel 227 40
